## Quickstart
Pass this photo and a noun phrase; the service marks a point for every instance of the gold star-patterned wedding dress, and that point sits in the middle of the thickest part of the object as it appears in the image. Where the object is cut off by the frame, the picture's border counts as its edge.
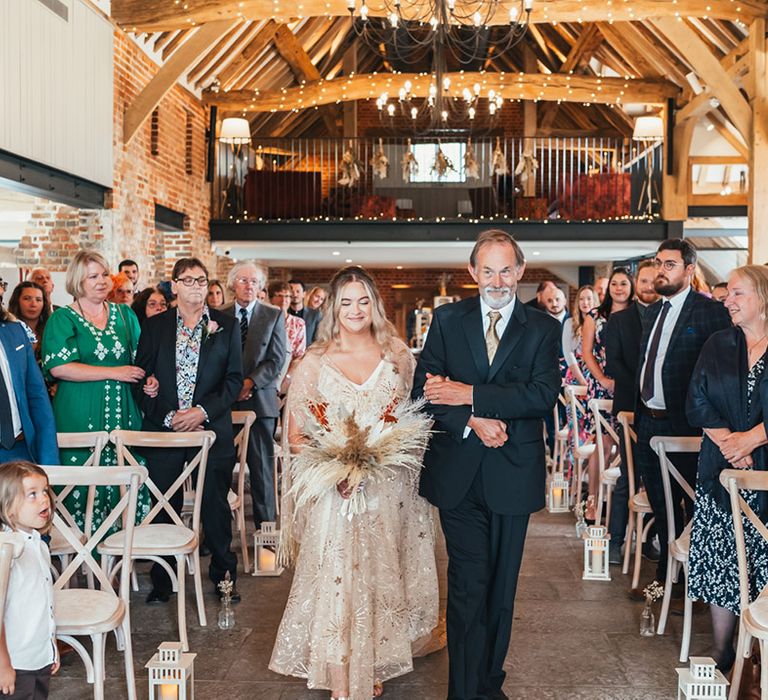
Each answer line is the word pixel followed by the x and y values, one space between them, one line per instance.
pixel 364 598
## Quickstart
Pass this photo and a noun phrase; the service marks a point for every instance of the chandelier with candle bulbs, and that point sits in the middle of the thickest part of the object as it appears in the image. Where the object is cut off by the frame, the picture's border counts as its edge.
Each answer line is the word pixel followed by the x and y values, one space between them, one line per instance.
pixel 415 32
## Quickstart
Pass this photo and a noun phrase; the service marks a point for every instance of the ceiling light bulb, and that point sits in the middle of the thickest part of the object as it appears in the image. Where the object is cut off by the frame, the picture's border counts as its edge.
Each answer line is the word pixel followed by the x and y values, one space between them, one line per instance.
pixel 491 94
pixel 471 112
pixel 432 90
pixel 476 88
pixel 335 252
pixel 492 108
pixel 414 112
pixel 446 83
pixel 351 5
pixel 364 12
pixel 467 95
pixel 499 101
pixel 451 5
pixel 408 86
pixel 513 14
pixel 391 110
pixel 393 20
pixel 433 22
pixel 528 4
pixel 402 94
pixel 444 115
pixel 477 19
pixel 710 127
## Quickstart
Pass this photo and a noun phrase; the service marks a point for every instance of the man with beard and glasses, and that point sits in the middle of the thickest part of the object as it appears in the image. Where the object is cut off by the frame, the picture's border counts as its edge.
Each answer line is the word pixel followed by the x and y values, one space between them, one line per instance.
pixel 489 372
pixel 674 330
pixel 623 334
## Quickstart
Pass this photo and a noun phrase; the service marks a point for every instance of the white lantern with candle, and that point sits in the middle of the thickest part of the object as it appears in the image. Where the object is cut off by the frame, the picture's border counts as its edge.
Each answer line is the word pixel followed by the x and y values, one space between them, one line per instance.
pixel 701 681
pixel 171 673
pixel 265 541
pixel 596 540
pixel 559 493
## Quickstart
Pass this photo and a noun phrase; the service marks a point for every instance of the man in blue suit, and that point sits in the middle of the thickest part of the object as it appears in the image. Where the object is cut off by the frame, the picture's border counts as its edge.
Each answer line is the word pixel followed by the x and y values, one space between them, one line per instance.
pixel 27 427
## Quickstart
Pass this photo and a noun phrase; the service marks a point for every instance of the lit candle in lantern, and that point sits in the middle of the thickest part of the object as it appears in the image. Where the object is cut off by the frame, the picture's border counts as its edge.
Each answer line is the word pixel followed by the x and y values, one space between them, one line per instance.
pixel 169 691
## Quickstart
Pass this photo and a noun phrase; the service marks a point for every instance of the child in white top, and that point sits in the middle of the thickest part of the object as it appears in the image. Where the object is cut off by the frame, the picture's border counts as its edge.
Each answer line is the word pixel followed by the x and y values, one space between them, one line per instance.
pixel 28 654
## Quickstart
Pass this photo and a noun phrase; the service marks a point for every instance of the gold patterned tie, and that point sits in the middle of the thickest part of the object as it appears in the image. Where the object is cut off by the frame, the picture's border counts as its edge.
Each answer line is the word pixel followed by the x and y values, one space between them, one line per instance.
pixel 492 337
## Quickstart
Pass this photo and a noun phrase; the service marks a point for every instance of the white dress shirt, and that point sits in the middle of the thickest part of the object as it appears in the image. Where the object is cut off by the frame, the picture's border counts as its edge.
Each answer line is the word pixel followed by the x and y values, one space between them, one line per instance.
pixel 676 306
pixel 501 324
pixel 5 368
pixel 30 630
pixel 249 310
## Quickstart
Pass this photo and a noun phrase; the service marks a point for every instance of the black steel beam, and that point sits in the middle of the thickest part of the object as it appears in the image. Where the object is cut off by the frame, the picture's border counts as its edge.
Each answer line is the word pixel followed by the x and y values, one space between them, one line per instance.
pixel 446 231
pixel 29 177
pixel 720 210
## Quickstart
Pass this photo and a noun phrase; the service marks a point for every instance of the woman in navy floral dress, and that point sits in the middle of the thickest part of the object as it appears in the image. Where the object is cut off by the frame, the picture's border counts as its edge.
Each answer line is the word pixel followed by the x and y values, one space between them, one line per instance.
pixel 620 294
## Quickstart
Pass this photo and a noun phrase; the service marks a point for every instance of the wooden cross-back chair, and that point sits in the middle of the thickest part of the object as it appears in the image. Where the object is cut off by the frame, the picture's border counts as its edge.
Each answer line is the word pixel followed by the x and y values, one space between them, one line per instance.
pixel 154 541
pixel 98 610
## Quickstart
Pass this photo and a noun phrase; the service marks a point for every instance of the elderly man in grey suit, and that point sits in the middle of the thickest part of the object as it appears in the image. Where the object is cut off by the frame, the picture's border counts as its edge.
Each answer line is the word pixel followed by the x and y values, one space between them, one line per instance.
pixel 262 335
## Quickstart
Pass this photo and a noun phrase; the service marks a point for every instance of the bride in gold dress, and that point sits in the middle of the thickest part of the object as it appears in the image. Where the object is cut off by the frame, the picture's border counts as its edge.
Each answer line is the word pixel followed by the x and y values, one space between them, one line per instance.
pixel 364 599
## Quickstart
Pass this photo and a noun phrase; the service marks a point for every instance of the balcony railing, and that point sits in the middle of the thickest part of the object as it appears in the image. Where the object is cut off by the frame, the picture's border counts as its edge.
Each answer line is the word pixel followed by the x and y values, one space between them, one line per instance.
pixel 577 179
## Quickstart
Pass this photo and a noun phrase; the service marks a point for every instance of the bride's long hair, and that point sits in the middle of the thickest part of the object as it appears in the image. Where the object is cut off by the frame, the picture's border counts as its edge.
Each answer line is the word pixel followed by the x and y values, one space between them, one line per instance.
pixel 329 329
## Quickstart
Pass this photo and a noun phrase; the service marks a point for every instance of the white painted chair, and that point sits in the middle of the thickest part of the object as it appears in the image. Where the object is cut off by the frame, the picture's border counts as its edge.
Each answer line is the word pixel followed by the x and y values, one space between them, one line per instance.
pixel 237 499
pixel 560 448
pixel 608 473
pixel 154 541
pixel 678 548
pixel 97 611
pixel 11 547
pixel 639 506
pixel 581 451
pixel 96 442
pixel 753 621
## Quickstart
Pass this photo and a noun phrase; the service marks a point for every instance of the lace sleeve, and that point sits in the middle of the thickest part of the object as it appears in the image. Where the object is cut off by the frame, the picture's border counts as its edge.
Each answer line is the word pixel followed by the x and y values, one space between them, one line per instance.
pixel 295 414
pixel 405 362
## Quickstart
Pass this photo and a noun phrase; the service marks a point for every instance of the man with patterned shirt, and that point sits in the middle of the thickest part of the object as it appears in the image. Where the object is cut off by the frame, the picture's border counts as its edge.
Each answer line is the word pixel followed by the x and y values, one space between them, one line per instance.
pixel 194 352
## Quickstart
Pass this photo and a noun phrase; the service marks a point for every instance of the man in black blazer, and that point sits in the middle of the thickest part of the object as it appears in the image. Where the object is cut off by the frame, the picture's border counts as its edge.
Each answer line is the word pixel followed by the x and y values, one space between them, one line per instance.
pixel 622 336
pixel 311 316
pixel 194 352
pixel 674 330
pixel 265 349
pixel 489 371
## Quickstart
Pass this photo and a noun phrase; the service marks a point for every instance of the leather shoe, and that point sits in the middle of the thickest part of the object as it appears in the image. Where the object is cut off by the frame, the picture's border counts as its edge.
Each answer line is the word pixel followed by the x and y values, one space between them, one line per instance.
pixel 651 551
pixel 157 596
pixel 614 554
pixel 234 596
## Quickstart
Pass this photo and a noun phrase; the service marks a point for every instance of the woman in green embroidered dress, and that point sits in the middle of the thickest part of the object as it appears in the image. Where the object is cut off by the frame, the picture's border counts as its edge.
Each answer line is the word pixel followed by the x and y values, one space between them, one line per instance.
pixel 88 348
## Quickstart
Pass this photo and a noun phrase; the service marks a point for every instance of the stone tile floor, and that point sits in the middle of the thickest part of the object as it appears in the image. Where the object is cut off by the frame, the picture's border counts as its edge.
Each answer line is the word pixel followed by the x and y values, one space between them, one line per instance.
pixel 572 639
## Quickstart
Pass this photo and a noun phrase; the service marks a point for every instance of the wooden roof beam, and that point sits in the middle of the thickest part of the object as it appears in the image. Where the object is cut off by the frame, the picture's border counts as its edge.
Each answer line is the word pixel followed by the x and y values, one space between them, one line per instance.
pixel 249 53
pixel 568 88
pixel 293 53
pixel 180 62
pixel 710 71
pixel 152 16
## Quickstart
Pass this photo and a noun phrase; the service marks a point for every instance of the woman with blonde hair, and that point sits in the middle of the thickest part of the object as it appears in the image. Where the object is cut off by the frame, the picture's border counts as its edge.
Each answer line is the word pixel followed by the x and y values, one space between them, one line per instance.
pixel 728 400
pixel 89 348
pixel 315 298
pixel 364 598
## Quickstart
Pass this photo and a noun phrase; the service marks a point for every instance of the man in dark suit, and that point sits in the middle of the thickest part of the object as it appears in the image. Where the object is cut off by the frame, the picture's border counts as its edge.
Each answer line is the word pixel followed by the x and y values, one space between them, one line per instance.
pixel 194 352
pixel 265 349
pixel 538 301
pixel 622 336
pixel 489 371
pixel 27 427
pixel 311 316
pixel 674 330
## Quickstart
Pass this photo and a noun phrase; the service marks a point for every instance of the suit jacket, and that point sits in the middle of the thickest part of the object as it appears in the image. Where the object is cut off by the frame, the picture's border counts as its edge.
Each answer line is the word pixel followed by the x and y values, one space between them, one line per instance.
pixel 219 376
pixel 699 318
pixel 311 319
pixel 32 399
pixel 520 388
pixel 264 355
pixel 622 337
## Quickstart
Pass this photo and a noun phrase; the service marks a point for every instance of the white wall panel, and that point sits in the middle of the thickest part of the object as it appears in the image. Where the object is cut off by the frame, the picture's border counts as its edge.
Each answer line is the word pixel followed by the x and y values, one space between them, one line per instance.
pixel 56 87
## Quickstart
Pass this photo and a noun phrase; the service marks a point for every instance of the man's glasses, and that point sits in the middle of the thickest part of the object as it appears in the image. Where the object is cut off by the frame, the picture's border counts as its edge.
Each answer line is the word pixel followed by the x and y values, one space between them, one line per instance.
pixel 248 280
pixel 191 281
pixel 668 265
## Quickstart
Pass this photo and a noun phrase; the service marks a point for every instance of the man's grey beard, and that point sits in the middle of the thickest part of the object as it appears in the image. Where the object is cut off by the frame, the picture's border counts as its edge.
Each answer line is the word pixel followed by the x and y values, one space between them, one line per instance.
pixel 497 303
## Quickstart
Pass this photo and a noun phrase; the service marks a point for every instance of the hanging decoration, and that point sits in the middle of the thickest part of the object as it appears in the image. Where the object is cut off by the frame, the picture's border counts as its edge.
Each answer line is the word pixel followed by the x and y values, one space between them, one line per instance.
pixel 527 167
pixel 380 162
pixel 471 166
pixel 409 163
pixel 442 163
pixel 499 162
pixel 350 168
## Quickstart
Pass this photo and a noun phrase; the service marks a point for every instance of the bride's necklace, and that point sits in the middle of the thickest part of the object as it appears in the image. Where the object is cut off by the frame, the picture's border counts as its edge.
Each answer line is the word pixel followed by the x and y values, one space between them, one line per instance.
pixel 95 320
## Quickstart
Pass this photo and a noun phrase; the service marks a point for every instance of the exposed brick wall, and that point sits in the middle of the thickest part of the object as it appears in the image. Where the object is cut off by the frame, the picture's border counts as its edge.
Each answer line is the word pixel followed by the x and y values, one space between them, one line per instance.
pixel 423 283
pixel 126 227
